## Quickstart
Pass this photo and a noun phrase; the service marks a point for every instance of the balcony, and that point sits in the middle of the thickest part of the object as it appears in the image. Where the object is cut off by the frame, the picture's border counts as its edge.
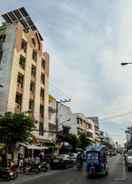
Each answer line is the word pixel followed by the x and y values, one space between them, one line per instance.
pixel 89 130
pixel 41 118
pixel 17 108
pixel 52 109
pixel 19 88
pixel 41 100
pixel 32 95
pixel 52 119
pixel 33 78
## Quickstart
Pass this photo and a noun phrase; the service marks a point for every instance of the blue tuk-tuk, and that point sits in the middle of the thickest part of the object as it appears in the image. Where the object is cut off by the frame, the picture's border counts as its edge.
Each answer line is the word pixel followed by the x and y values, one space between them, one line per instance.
pixel 96 160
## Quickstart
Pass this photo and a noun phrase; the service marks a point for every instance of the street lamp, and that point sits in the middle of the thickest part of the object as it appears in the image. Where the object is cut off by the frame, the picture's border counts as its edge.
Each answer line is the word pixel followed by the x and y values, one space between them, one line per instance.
pixel 125 63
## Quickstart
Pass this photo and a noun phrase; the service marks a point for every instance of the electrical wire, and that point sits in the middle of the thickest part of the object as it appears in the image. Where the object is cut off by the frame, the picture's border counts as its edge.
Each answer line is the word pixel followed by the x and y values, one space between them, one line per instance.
pixel 116 116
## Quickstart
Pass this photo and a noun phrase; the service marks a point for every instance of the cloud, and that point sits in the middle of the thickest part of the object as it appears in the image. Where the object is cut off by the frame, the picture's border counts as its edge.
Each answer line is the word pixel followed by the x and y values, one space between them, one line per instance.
pixel 87 40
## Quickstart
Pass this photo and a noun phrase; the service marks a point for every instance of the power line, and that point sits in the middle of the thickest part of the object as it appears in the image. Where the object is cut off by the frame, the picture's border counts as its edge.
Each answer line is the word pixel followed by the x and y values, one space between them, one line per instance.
pixel 58 93
pixel 116 116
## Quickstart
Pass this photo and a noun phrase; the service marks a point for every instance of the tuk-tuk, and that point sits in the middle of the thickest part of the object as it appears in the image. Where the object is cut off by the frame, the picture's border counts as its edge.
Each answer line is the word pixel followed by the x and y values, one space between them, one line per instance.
pixel 96 160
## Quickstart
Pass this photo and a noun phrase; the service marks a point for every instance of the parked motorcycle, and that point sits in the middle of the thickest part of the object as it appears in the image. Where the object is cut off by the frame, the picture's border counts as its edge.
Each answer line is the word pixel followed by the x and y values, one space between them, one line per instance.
pixel 43 167
pixel 8 174
pixel 32 168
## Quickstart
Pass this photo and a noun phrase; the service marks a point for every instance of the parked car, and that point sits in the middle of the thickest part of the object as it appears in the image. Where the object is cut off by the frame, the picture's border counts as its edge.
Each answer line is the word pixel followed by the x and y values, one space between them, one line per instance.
pixel 73 156
pixel 128 158
pixel 61 161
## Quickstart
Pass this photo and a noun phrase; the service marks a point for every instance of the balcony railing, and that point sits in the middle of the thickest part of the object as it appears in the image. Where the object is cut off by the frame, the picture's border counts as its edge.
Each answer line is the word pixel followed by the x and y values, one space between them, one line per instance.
pixel 41 100
pixel 17 108
pixel 19 88
pixel 32 95
pixel 52 109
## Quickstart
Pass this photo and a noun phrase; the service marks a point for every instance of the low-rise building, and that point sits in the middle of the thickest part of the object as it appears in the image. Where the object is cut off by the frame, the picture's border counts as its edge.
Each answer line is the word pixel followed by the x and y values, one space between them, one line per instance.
pixel 81 124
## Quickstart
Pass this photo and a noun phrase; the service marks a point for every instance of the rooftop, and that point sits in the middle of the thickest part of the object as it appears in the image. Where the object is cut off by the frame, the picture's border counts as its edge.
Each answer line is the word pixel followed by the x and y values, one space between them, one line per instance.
pixel 22 16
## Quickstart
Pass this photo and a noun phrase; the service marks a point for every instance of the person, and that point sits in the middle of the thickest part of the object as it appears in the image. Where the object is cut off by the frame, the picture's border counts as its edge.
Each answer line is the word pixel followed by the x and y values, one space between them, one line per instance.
pixel 42 156
pixel 80 158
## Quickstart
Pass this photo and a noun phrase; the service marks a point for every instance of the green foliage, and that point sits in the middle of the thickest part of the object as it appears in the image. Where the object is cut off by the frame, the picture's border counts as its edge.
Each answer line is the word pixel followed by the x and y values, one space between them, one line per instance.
pixel 72 139
pixel 83 140
pixel 15 128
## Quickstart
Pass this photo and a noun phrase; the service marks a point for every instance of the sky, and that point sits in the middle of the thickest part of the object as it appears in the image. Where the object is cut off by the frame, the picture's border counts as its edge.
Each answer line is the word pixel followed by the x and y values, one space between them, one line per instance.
pixel 87 40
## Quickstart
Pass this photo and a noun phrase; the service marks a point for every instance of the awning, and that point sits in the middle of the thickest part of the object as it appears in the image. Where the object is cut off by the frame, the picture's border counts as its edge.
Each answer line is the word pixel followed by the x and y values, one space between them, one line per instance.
pixel 33 147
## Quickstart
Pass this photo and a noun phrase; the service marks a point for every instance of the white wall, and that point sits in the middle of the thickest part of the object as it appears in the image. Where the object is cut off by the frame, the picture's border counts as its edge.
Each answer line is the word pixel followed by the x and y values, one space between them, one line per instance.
pixel 6 67
pixel 64 114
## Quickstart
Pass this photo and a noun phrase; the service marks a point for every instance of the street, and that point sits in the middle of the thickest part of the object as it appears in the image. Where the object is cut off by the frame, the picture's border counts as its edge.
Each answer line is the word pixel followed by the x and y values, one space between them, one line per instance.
pixel 117 175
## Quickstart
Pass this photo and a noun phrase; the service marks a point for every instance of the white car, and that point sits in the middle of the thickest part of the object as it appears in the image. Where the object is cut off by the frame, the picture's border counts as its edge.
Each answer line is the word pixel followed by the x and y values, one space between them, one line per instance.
pixel 73 156
pixel 129 159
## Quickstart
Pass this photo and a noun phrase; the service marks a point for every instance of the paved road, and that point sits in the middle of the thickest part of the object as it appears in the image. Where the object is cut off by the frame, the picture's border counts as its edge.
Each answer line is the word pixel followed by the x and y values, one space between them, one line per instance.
pixel 117 175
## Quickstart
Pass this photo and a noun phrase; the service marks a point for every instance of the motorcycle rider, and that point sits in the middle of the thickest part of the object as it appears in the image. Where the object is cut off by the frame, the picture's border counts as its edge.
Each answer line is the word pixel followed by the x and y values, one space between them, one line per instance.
pixel 80 158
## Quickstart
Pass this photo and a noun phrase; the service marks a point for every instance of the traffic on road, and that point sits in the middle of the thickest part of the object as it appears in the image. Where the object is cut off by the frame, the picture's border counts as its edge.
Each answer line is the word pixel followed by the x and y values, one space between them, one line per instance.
pixel 94 165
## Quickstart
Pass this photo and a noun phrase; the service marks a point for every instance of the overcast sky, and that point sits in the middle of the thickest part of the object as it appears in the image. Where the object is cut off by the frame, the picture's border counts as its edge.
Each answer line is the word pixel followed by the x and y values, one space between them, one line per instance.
pixel 87 40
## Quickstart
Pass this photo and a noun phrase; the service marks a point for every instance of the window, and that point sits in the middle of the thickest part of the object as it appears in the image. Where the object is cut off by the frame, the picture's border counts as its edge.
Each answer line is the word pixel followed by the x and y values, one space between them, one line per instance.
pixel 42 93
pixel 22 61
pixel 33 42
pixel 89 126
pixel 32 86
pixel 19 99
pixel 43 63
pixel 41 129
pixel 24 45
pixel 31 104
pixel 43 78
pixel 34 55
pixel 41 111
pixel 20 80
pixel 78 121
pixel 33 71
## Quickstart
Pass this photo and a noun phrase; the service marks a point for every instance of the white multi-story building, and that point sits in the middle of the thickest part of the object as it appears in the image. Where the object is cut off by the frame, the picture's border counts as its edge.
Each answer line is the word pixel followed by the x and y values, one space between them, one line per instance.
pixel 24 70
pixel 95 120
pixel 52 118
pixel 64 116
pixel 80 123
pixel 77 122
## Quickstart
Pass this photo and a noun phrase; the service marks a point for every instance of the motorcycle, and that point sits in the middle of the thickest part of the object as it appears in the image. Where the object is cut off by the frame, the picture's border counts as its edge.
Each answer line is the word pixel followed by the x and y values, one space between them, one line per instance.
pixel 8 174
pixel 43 167
pixel 32 168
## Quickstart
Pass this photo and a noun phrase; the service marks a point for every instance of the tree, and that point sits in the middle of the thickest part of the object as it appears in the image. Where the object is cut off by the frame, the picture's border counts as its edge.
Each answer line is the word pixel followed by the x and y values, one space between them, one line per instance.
pixel 83 140
pixel 15 128
pixel 72 139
